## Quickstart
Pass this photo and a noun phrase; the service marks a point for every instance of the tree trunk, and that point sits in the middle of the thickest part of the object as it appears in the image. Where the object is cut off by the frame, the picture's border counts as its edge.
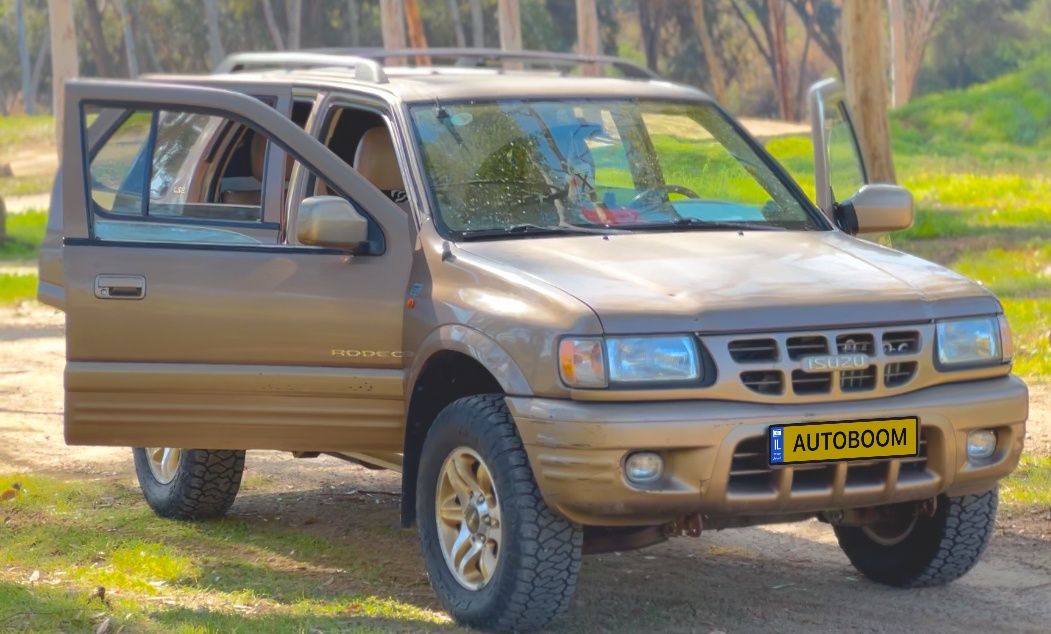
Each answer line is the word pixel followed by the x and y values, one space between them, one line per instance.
pixel 477 24
pixel 64 62
pixel 454 15
pixel 271 25
pixel 129 39
pixel 587 33
pixel 392 24
pixel 215 40
pixel 353 22
pixel 648 26
pixel 103 63
pixel 865 64
pixel 510 23
pixel 417 37
pixel 779 52
pixel 898 71
pixel 294 14
pixel 42 53
pixel 23 57
pixel 716 75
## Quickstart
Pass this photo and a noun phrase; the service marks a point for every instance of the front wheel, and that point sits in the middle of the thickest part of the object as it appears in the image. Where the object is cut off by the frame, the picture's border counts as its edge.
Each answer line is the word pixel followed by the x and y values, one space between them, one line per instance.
pixel 497 557
pixel 913 551
pixel 189 484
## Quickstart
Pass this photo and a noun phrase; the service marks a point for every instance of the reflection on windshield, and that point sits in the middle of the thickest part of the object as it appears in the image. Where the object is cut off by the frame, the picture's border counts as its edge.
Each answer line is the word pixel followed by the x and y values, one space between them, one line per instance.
pixel 521 167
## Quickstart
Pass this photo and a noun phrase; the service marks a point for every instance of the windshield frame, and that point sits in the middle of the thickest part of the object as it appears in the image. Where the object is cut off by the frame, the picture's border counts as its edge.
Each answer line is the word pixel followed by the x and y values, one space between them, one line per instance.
pixel 456 236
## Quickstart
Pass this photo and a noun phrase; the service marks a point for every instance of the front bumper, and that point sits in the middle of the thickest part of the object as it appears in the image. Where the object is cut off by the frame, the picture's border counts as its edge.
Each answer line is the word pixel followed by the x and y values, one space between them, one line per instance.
pixel 715 461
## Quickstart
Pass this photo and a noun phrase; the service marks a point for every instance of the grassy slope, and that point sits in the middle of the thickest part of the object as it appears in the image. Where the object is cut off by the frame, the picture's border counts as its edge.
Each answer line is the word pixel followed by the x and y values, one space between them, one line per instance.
pixel 20 134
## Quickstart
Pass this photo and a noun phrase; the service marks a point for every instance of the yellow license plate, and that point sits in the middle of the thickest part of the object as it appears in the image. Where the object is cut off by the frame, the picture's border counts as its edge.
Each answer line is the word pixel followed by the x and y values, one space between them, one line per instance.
pixel 844 440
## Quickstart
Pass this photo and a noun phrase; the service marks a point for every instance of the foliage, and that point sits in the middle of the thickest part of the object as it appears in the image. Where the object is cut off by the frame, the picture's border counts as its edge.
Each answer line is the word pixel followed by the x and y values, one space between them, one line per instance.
pixel 25 232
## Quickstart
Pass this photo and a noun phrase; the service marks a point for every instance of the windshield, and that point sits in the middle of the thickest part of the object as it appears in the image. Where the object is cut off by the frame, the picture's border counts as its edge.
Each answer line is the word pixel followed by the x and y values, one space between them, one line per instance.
pixel 580 166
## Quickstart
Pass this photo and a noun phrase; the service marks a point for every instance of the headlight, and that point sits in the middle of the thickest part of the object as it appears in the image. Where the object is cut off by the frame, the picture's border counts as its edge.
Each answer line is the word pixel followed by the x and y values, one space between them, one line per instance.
pixel 631 360
pixel 975 341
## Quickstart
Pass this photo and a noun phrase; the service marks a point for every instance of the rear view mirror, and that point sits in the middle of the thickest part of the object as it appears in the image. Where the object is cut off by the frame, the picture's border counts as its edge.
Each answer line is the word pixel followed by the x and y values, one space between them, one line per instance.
pixel 876 209
pixel 331 221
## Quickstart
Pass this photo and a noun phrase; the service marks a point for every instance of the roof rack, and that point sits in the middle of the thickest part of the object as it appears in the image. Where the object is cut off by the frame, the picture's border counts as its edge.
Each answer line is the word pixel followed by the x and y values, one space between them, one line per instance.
pixel 365 69
pixel 481 56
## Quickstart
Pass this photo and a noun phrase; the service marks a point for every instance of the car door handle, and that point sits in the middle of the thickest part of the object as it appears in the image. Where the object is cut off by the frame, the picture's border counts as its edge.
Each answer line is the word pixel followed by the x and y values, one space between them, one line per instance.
pixel 120 286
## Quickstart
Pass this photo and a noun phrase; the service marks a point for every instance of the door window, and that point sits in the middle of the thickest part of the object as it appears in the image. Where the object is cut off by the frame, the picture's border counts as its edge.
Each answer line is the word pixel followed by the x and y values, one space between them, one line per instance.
pixel 172 176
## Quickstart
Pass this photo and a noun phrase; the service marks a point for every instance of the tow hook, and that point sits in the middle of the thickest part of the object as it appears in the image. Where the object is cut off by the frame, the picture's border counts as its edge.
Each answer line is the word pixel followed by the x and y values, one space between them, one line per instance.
pixel 868 515
pixel 685 526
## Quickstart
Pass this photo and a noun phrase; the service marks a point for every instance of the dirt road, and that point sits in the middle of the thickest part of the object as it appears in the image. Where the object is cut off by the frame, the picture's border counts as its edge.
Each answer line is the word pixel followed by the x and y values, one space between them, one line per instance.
pixel 785 578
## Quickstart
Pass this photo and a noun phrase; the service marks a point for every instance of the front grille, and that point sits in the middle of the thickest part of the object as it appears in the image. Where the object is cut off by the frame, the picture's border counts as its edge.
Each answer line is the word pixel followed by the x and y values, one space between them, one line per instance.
pixel 799 347
pixel 898 374
pixel 750 472
pixel 858 380
pixel 764 382
pixel 811 382
pixel 776 364
pixel 753 350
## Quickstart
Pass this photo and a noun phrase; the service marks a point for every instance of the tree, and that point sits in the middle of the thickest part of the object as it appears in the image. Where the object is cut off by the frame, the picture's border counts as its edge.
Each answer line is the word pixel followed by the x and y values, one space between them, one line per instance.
pixel 294 14
pixel 99 52
pixel 477 24
pixel 23 56
pixel 912 24
pixel 651 13
pixel 772 45
pixel 65 64
pixel 587 32
pixel 716 75
pixel 820 18
pixel 215 41
pixel 271 25
pixel 354 22
pixel 865 65
pixel 129 39
pixel 454 14
pixel 509 19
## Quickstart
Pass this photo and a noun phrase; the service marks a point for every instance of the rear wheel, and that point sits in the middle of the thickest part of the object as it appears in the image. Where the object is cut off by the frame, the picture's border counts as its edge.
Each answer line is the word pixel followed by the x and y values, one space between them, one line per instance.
pixel 910 550
pixel 497 557
pixel 189 483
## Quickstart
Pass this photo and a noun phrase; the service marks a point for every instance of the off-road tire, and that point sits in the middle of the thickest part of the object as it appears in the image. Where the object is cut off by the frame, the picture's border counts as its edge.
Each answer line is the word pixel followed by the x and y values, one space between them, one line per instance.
pixel 939 549
pixel 204 487
pixel 537 569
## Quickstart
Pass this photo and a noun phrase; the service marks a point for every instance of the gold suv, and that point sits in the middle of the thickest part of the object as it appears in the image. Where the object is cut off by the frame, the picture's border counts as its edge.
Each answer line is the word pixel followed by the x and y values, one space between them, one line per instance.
pixel 577 311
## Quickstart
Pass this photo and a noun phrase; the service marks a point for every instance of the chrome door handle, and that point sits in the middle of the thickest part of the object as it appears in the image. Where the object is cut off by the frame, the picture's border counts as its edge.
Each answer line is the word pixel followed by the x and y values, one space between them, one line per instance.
pixel 120 286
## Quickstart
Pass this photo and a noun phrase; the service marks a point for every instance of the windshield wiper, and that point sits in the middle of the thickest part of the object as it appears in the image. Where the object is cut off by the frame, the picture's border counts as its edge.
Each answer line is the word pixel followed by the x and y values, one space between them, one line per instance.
pixel 694 224
pixel 531 229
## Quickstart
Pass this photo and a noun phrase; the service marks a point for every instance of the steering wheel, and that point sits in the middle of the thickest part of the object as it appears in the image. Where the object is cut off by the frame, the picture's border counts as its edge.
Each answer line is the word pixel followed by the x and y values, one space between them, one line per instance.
pixel 662 189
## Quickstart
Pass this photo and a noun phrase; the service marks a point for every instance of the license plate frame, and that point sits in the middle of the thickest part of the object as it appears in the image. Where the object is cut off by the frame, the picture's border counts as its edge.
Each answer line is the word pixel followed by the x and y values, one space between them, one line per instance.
pixel 779 435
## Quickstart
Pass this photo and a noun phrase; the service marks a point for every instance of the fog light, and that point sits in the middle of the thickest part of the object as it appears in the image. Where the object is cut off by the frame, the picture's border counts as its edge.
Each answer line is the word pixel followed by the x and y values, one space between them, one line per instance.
pixel 981 443
pixel 643 466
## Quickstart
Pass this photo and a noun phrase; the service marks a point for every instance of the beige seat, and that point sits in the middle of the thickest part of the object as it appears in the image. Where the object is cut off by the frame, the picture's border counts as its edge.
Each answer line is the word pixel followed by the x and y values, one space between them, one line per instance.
pixel 374 159
pixel 257 160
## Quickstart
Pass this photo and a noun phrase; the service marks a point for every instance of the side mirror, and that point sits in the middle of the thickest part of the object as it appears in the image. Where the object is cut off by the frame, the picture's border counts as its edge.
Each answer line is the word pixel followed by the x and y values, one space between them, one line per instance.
pixel 876 208
pixel 331 221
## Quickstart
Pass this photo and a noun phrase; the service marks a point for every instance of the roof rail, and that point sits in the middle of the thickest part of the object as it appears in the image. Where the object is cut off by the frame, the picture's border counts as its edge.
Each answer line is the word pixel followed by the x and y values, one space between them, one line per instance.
pixel 365 69
pixel 479 56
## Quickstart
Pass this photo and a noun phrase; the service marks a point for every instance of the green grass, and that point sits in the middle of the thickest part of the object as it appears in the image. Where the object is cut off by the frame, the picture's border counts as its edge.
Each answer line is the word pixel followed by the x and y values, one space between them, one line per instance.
pixel 64 539
pixel 1029 487
pixel 25 232
pixel 15 287
pixel 24 129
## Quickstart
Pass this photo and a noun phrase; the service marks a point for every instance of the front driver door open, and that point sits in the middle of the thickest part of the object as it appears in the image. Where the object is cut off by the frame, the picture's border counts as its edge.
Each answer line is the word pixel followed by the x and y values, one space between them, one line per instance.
pixel 839 166
pixel 223 344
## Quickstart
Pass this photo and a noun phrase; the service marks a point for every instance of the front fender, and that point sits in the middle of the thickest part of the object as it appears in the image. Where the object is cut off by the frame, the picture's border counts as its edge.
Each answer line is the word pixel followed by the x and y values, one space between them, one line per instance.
pixel 476 345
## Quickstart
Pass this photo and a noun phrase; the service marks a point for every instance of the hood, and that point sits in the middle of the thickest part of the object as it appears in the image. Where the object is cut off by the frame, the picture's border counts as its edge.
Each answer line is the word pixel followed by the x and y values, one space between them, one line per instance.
pixel 728 281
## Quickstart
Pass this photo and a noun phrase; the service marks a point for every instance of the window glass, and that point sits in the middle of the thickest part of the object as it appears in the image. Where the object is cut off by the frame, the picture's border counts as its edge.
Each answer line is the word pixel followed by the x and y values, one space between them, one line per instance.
pixel 844 165
pixel 519 166
pixel 201 176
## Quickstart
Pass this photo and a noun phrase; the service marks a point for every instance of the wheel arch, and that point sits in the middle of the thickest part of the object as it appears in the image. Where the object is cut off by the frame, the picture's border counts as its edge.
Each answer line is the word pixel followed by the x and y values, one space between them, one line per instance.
pixel 456 362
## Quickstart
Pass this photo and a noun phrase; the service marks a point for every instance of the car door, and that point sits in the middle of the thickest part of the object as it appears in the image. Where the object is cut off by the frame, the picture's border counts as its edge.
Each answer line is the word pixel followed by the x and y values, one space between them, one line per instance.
pixel 839 165
pixel 189 322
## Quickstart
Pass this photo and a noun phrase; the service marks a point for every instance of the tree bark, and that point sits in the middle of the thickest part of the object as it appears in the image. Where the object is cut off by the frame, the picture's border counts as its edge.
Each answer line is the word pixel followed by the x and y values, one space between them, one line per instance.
pixel 648 27
pixel 103 63
pixel 777 28
pixel 23 57
pixel 271 25
pixel 392 24
pixel 417 36
pixel 294 15
pixel 353 22
pixel 716 76
pixel 587 34
pixel 454 15
pixel 129 39
pixel 865 64
pixel 215 40
pixel 509 19
pixel 898 63
pixel 42 53
pixel 477 24
pixel 64 62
